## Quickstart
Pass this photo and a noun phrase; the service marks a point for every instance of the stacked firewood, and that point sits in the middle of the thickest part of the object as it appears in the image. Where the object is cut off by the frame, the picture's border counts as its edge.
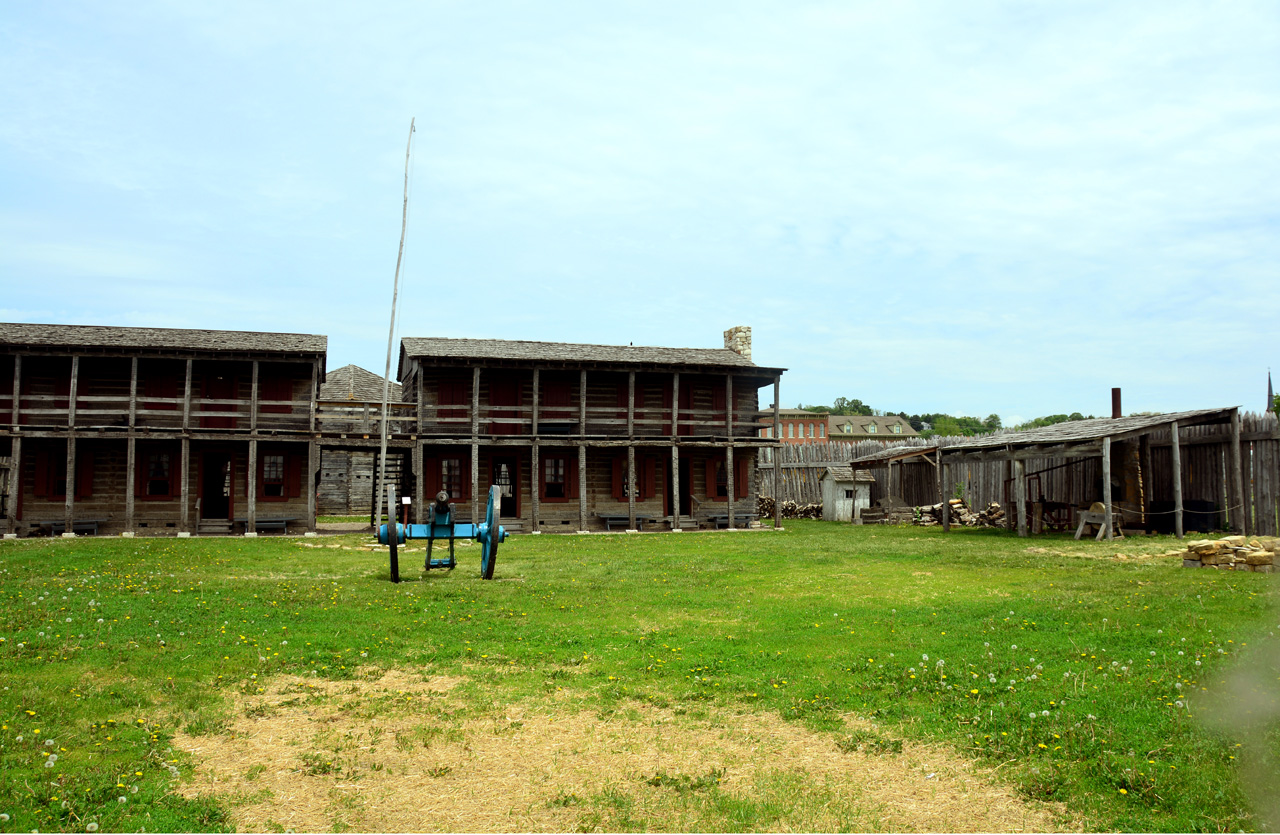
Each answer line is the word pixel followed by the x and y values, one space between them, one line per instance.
pixel 961 514
pixel 790 509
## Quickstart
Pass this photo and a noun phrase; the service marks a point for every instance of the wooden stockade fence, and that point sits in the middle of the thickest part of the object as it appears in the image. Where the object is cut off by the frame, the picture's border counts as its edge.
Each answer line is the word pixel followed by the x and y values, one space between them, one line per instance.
pixel 1072 481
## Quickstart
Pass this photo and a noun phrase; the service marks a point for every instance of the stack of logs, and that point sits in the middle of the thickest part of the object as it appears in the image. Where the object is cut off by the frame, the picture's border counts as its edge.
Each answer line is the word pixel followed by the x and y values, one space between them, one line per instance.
pixel 961 514
pixel 790 510
pixel 1232 553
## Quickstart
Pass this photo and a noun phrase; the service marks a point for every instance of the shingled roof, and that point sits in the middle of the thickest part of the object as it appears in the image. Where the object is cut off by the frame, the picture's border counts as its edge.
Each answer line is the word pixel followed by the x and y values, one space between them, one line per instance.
pixel 1086 431
pixel 522 352
pixel 351 382
pixel 98 336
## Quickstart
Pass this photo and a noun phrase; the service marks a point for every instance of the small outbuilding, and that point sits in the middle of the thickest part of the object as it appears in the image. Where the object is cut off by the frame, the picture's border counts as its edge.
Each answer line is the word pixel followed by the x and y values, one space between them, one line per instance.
pixel 846 492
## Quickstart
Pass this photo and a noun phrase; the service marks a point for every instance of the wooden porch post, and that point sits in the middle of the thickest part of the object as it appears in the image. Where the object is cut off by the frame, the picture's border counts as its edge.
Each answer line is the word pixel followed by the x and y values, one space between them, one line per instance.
pixel 251 487
pixel 729 482
pixel 133 397
pixel 130 476
pixel 675 450
pixel 631 404
pixel 475 445
pixel 186 401
pixel 419 478
pixel 535 475
pixel 582 479
pixel 71 395
pixel 1144 465
pixel 1020 494
pixel 582 403
pixel 777 450
pixel 184 513
pixel 946 499
pixel 253 399
pixel 1106 485
pixel 1237 478
pixel 1176 447
pixel 315 393
pixel 15 482
pixel 631 487
pixel 70 506
pixel 17 389
pixel 533 430
pixel 313 464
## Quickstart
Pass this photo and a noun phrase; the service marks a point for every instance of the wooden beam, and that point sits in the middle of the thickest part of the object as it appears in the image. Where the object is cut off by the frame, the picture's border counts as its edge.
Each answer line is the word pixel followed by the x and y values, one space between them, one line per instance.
pixel 1106 486
pixel 1237 478
pixel 419 484
pixel 1176 446
pixel 582 414
pixel 70 500
pixel 475 412
pixel 421 397
pixel 315 393
pixel 1144 469
pixel 943 496
pixel 631 404
pixel 728 416
pixel 675 404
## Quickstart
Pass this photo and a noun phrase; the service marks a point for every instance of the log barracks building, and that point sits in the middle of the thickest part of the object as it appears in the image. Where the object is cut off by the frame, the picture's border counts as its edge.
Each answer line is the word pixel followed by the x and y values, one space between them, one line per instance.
pixel 164 431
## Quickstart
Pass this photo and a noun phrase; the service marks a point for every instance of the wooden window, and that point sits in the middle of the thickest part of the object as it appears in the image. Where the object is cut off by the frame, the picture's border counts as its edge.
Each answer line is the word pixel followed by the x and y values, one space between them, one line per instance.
pixel 559 477
pixel 273 476
pixel 275 388
pixel 791 430
pixel 717 487
pixel 162 385
pixel 646 477
pixel 279 474
pixel 51 474
pixel 452 478
pixel 822 430
pixel 156 478
pixel 453 391
pixel 504 391
pixel 450 473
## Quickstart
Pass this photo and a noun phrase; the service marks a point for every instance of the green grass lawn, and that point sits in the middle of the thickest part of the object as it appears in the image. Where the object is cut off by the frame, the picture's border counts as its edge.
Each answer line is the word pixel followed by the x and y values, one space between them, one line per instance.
pixel 1083 676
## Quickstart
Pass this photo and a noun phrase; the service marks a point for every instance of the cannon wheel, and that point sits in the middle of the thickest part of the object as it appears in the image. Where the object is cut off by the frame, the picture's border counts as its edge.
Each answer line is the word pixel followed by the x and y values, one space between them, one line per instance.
pixel 489 548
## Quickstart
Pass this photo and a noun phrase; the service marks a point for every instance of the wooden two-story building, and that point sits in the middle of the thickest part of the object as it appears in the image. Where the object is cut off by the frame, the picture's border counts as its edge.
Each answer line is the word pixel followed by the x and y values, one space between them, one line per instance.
pixel 588 437
pixel 157 430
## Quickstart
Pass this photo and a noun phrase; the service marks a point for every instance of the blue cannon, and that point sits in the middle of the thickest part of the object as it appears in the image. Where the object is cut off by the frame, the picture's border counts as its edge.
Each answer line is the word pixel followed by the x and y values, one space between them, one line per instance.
pixel 441 524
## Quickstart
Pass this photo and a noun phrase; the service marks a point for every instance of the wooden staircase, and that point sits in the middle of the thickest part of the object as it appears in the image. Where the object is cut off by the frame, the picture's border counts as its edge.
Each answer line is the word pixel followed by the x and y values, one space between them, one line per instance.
pixel 213 527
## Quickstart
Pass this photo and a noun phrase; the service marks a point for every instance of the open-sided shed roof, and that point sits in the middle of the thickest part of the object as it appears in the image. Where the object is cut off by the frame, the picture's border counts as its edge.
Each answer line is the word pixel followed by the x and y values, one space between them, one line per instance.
pixel 1080 436
pixel 894 454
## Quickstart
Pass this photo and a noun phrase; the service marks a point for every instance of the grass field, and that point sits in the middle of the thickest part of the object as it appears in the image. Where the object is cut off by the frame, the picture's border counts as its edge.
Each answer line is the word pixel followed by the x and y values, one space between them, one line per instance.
pixel 821 677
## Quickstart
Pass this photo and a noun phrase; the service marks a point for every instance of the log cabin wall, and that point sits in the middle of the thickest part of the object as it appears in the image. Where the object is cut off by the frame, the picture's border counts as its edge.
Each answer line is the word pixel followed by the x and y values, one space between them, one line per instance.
pixel 148 430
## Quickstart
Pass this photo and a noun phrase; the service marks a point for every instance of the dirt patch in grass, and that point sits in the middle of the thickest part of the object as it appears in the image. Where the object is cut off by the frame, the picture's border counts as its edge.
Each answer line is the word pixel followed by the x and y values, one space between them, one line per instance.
pixel 407 753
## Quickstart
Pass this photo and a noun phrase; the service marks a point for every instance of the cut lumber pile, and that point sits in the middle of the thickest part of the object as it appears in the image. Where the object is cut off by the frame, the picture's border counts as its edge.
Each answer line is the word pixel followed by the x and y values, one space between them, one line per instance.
pixel 1231 553
pixel 790 509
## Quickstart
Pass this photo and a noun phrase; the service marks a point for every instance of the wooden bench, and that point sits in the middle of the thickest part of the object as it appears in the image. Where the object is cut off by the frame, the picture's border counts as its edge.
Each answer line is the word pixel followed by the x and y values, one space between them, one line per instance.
pixel 269 523
pixel 624 519
pixel 78 526
pixel 740 520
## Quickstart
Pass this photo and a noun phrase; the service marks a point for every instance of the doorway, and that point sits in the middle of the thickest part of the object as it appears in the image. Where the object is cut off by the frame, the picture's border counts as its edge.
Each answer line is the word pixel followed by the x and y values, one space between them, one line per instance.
pixel 215 486
pixel 506 474
pixel 682 500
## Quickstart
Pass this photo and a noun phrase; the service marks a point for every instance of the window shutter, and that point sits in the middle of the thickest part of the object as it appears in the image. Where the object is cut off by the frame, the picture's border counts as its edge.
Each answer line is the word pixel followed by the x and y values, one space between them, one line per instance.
pixel 42 474
pixel 293 476
pixel 648 472
pixel 711 478
pixel 742 471
pixel 571 464
pixel 84 474
pixel 619 477
pixel 431 478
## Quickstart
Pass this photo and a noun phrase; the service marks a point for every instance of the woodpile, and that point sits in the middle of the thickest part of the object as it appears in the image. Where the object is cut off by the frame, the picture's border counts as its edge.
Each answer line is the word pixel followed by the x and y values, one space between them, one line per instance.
pixel 961 514
pixel 790 509
pixel 1231 553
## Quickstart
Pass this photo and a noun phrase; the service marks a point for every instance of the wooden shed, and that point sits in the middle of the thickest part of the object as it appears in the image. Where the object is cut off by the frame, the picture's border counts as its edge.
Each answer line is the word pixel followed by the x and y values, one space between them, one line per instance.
pixel 846 492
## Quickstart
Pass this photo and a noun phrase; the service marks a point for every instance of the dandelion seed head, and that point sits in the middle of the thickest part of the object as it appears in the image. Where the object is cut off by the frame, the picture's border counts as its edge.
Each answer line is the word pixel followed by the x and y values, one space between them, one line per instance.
pixel 91 827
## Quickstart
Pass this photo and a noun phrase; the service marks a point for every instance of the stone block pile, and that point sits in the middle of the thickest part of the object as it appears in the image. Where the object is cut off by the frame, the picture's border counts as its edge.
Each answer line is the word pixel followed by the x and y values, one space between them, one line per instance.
pixel 1232 553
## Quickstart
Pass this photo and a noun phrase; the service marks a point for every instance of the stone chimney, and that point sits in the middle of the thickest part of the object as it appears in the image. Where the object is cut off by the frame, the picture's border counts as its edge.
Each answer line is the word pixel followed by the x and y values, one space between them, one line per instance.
pixel 738 340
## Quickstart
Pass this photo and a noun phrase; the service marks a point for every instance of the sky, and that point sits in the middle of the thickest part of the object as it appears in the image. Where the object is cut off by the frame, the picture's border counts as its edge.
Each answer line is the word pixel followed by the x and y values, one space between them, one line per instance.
pixel 968 208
